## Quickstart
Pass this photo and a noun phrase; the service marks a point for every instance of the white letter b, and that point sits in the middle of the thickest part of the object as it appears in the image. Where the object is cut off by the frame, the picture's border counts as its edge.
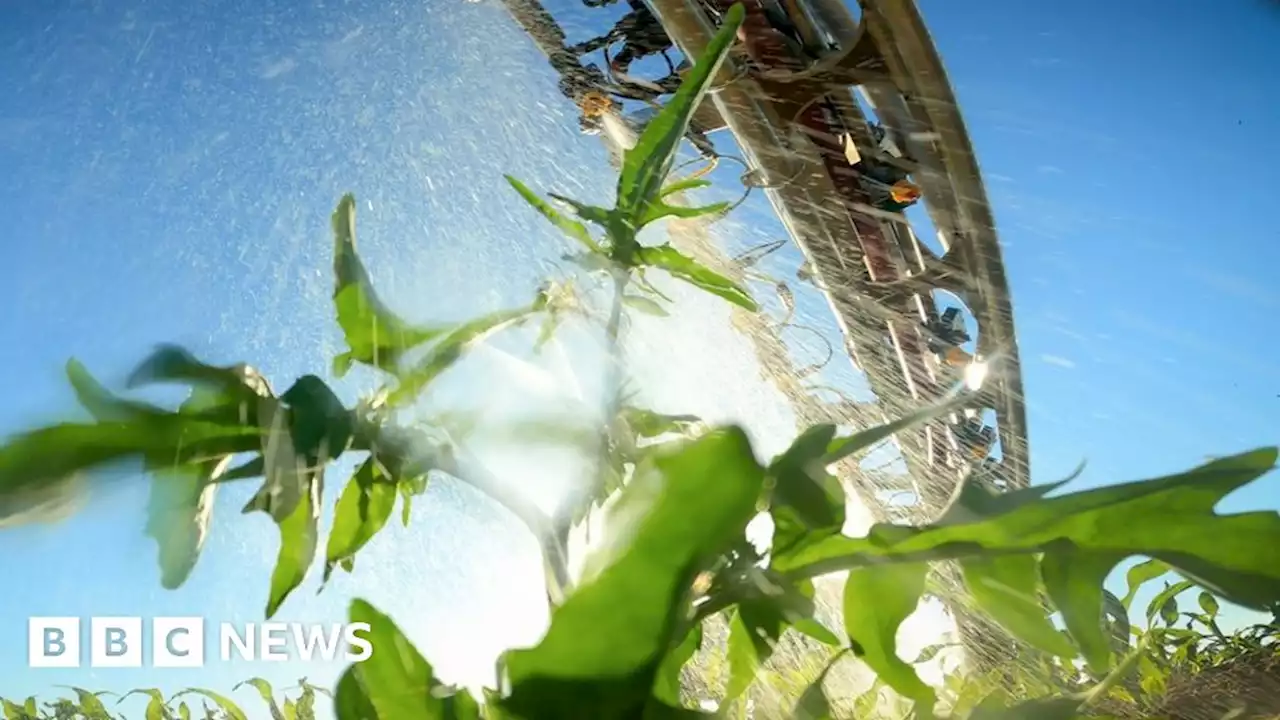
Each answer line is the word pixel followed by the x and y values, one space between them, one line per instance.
pixel 53 642
pixel 115 642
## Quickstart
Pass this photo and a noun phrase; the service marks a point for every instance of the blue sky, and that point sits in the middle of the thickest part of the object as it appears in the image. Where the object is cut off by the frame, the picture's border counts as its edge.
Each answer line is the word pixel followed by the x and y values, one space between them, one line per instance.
pixel 169 170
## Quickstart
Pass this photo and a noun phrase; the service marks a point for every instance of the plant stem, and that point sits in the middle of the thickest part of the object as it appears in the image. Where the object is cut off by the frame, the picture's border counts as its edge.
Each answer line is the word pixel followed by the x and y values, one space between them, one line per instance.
pixel 613 334
pixel 413 453
pixel 613 393
pixel 613 382
pixel 711 606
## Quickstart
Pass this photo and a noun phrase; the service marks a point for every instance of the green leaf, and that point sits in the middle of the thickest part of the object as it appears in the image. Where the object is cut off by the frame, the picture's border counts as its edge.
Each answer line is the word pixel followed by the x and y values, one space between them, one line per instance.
pixel 607 641
pixel 221 412
pixel 689 270
pixel 592 262
pixel 268 695
pixel 773 600
pixel 973 501
pixel 406 508
pixel 102 404
pixel 1122 670
pixel 442 355
pixel 1160 604
pixel 181 502
pixel 309 688
pixel 461 706
pixel 184 712
pixel 645 167
pixel 876 601
pixel 1073 581
pixel 805 497
pixel 930 652
pixel 13 711
pixel 90 704
pixel 224 704
pixel 753 632
pixel 649 424
pixel 247 470
pixel 1007 589
pixel 320 424
pixel 350 702
pixel 298 443
pixel 659 210
pixel 657 710
pixel 643 283
pixel 395 681
pixel 1062 707
pixel 179 510
pixel 1208 603
pixel 684 185
pixel 813 704
pixel 666 686
pixel 1169 611
pixel 1169 518
pixel 240 384
pixel 815 630
pixel 648 306
pixel 375 335
pixel 866 704
pixel 299 536
pixel 51 501
pixel 590 213
pixel 571 228
pixel 36 467
pixel 1051 708
pixel 287 471
pixel 1139 575
pixel 362 510
pixel 843 447
pixel 1116 619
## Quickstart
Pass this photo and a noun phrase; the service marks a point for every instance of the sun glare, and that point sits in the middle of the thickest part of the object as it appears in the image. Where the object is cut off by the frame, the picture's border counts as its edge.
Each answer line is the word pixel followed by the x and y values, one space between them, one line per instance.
pixel 975 373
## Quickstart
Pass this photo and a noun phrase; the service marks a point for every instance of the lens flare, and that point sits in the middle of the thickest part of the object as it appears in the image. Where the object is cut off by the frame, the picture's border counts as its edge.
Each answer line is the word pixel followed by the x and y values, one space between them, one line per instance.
pixel 975 373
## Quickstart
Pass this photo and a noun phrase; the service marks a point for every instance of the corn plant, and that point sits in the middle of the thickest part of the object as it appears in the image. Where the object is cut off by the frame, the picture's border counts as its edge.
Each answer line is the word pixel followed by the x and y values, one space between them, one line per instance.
pixel 681 494
pixel 89 705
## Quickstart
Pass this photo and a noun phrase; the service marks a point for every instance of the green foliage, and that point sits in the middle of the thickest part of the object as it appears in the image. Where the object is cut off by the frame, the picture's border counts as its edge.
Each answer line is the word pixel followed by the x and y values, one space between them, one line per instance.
pixel 813 703
pixel 876 601
pixel 363 509
pixel 157 707
pixel 1191 671
pixel 681 494
pixel 1007 588
pixel 1073 581
pixel 89 706
pixel 641 193
pixel 375 335
pixel 607 641
pixel 646 166
pixel 396 681
pixel 687 269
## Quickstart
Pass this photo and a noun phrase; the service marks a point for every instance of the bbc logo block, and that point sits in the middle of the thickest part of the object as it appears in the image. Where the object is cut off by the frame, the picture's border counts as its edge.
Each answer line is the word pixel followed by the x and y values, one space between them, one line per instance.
pixel 177 642
pixel 53 642
pixel 56 642
pixel 114 642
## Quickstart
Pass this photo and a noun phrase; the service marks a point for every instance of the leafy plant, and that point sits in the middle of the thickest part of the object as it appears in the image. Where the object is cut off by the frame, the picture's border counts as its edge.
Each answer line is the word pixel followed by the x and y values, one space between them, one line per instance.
pixel 1193 671
pixel 681 495
pixel 213 706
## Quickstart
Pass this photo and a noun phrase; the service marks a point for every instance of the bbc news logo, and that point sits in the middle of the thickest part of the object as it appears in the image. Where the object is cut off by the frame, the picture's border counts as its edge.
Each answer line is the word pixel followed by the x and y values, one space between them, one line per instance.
pixel 179 642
